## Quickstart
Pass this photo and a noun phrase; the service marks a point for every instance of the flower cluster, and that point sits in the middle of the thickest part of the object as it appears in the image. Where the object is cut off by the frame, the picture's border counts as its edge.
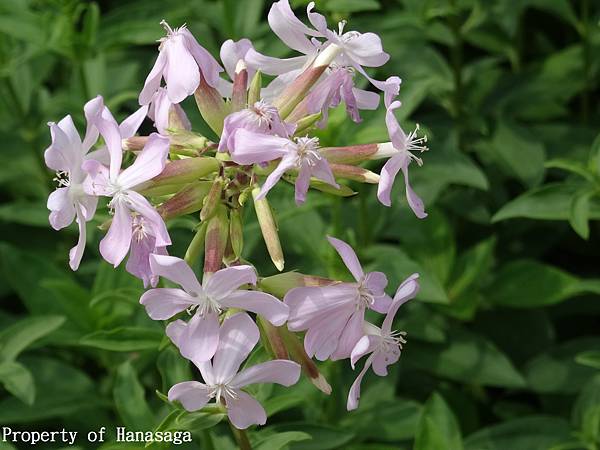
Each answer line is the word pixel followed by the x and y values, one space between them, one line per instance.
pixel 264 138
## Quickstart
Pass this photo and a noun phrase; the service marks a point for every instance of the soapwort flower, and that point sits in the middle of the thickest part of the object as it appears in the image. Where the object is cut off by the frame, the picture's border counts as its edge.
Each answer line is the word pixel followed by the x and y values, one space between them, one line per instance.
pixel 383 344
pixel 218 292
pixel 181 61
pixel 333 315
pixel 301 154
pixel 223 381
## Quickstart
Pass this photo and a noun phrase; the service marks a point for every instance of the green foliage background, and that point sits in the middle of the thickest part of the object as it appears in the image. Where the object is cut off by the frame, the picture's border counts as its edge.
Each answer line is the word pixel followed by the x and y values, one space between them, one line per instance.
pixel 503 348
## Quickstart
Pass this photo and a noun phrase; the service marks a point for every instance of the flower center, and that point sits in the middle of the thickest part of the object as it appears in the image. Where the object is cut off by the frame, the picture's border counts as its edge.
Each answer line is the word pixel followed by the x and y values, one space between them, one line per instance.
pixel 62 178
pixel 264 113
pixel 205 305
pixel 364 296
pixel 140 228
pixel 393 340
pixel 222 390
pixel 308 151
pixel 415 143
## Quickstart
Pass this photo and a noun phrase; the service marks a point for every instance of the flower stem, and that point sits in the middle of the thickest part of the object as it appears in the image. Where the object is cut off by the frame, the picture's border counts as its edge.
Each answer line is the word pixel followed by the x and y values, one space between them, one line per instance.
pixel 241 437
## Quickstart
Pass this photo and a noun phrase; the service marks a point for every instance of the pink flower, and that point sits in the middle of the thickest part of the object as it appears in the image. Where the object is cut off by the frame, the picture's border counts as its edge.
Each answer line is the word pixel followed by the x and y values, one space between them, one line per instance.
pixel 383 344
pixel 66 155
pixel 120 185
pixel 400 149
pixel 232 53
pixel 301 154
pixel 222 381
pixel 333 315
pixel 260 118
pixel 143 244
pixel 161 108
pixel 181 61
pixel 218 292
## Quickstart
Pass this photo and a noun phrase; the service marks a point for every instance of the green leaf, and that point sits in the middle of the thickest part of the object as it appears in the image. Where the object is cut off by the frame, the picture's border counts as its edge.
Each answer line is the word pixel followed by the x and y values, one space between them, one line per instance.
pixel 323 437
pixel 527 433
pixel 586 411
pixel 130 400
pixel 465 357
pixel 17 380
pixel 530 284
pixel 590 359
pixel 19 336
pixel 197 421
pixel 279 441
pixel 350 6
pixel 570 166
pixel 437 427
pixel 548 202
pixel 580 213
pixel 124 339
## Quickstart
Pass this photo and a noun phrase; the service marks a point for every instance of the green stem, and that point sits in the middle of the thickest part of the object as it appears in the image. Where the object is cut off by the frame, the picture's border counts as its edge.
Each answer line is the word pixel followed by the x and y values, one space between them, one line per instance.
pixel 207 440
pixel 456 56
pixel 585 96
pixel 241 437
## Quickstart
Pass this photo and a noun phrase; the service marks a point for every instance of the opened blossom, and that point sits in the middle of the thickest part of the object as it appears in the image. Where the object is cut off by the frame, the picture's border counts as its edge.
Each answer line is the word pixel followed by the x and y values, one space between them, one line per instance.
pixel 164 112
pixel 206 301
pixel 181 61
pixel 300 154
pixel 381 344
pixel 223 381
pixel 333 315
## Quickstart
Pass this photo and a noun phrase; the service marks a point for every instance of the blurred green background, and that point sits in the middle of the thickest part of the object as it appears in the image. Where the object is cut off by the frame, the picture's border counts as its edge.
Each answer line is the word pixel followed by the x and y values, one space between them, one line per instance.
pixel 503 350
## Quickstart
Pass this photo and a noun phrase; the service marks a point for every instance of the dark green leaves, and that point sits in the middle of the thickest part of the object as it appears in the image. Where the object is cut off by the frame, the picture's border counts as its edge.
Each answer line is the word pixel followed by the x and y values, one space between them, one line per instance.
pixel 437 427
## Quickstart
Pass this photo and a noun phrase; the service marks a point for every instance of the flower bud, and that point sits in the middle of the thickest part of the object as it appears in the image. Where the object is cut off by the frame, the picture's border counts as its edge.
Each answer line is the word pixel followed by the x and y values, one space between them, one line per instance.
pixel 211 105
pixel 255 88
pixel 278 285
pixel 217 232
pixel 212 200
pixel 354 173
pixel 196 246
pixel 269 229
pixel 306 122
pixel 350 155
pixel 240 86
pixel 342 191
pixel 295 92
pixel 272 339
pixel 188 143
pixel 183 171
pixel 236 234
pixel 186 201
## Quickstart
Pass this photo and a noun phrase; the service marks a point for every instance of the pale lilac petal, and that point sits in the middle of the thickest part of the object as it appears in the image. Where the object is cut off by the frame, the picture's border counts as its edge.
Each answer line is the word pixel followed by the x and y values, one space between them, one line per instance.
pixel 384 358
pixel 251 147
pixel 289 28
pixel 287 163
pixel 138 203
pixel 88 204
pixel 388 175
pixel 352 332
pixel 132 123
pixel 322 171
pixel 181 72
pixel 223 282
pixel 62 209
pixel 152 82
pixel 354 394
pixel 322 339
pixel 366 344
pixel 276 87
pixel 62 154
pixel 232 52
pixel 115 245
pixel 317 20
pixel 243 411
pixel 238 336
pixel 192 395
pixel 397 135
pixel 164 303
pixel 302 184
pixel 109 129
pixel 97 183
pixel 381 303
pixel 366 50
pixel 200 339
pixel 177 271
pixel 407 291
pixel 149 163
pixel 76 253
pixel 280 371
pixel 208 65
pixel 259 303
pixel 91 110
pixel 366 99
pixel 414 201
pixel 348 256
pixel 275 66
pixel 138 263
pixel 175 330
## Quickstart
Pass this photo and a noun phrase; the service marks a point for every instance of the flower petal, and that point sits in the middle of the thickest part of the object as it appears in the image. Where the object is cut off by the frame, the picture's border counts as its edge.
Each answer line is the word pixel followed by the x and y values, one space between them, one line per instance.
pixel 177 271
pixel 164 303
pixel 388 174
pixel 192 395
pixel 149 163
pixel 407 291
pixel 76 253
pixel 152 82
pixel 354 394
pixel 200 338
pixel 244 411
pixel 232 52
pixel 271 308
pixel 322 339
pixel 62 209
pixel 289 28
pixel 250 147
pixel 138 203
pixel 208 65
pixel 302 184
pixel 414 201
pixel 286 164
pixel 181 71
pixel 223 282
pixel 238 336
pixel 276 66
pixel 280 371
pixel 366 344
pixel 115 245
pixel 130 125
pixel 348 256
pixel 351 334
pixel 366 50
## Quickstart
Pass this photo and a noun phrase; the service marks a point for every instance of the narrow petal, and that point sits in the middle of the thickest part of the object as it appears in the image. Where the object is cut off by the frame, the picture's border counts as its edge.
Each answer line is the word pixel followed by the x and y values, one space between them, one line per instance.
pixel 289 28
pixel 208 65
pixel 251 147
pixel 366 99
pixel 275 66
pixel 302 184
pixel 366 344
pixel 348 256
pixel 271 308
pixel 280 371
pixel 131 124
pixel 115 245
pixel 388 174
pixel 148 164
pixel 76 253
pixel 244 411
pixel 286 164
pixel 164 303
pixel 152 82
pixel 407 291
pixel 223 282
pixel 238 336
pixel 181 72
pixel 354 394
pixel 177 271
pixel 91 110
pixel 192 395
pixel 414 201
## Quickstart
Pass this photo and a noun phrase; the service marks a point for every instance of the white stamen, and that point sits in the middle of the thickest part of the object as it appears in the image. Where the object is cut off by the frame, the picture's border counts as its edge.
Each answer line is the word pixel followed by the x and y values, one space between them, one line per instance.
pixel 308 151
